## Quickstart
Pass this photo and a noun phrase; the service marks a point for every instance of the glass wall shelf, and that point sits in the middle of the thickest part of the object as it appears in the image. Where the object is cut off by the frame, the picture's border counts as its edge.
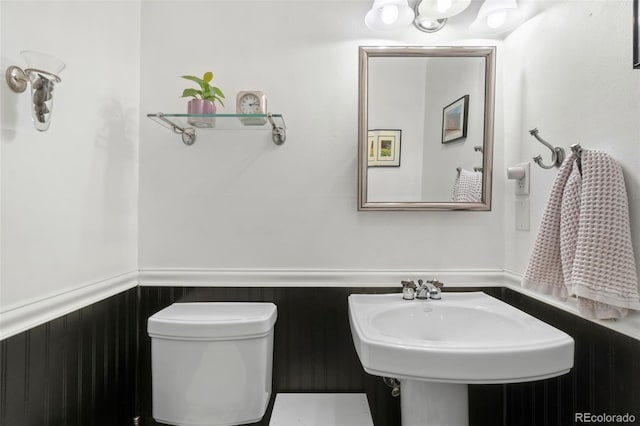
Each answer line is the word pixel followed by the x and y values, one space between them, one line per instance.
pixel 186 124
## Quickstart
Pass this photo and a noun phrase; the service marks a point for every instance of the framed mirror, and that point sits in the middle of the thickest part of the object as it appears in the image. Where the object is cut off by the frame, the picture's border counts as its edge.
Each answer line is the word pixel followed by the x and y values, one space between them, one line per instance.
pixel 425 128
pixel 636 35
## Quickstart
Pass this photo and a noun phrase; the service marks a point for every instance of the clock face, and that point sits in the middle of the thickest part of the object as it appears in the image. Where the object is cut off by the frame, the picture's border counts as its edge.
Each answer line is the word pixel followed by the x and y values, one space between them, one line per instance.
pixel 250 104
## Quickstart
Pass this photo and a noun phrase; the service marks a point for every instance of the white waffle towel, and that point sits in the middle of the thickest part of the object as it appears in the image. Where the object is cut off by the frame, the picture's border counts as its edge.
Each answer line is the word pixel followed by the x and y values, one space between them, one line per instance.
pixel 583 247
pixel 468 187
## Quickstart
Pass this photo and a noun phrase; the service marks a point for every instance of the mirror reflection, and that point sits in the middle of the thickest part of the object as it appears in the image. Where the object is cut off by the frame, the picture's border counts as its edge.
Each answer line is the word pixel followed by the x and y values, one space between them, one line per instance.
pixel 426 128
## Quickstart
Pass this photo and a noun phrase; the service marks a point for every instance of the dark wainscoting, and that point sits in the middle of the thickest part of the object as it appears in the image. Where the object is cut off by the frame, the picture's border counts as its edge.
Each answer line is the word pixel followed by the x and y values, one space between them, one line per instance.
pixel 78 369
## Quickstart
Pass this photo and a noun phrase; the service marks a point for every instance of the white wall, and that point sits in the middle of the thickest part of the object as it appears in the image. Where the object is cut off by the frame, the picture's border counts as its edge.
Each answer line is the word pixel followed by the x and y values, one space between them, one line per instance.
pixel 234 199
pixel 570 75
pixel 69 195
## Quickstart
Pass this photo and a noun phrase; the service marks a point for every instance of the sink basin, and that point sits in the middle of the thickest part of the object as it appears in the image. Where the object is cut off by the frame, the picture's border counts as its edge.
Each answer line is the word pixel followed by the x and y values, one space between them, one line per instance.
pixel 462 338
pixel 437 347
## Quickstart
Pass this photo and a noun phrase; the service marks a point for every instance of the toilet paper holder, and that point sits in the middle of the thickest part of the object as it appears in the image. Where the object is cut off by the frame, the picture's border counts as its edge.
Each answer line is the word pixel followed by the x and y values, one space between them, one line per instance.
pixel 516 172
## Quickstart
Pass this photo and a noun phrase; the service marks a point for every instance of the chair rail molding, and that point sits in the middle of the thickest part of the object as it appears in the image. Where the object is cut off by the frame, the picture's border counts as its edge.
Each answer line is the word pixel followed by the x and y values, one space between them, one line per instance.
pixel 26 315
pixel 241 277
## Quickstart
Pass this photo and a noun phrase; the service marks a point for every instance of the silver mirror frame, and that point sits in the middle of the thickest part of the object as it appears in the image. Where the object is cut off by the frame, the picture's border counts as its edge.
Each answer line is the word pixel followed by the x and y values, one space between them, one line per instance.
pixel 366 52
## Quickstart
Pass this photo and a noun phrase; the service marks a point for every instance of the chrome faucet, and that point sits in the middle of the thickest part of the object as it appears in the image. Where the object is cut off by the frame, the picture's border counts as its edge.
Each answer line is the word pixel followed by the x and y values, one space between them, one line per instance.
pixel 429 289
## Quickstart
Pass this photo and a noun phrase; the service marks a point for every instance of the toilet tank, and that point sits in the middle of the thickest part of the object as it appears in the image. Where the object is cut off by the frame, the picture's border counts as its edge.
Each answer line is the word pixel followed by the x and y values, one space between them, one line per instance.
pixel 211 362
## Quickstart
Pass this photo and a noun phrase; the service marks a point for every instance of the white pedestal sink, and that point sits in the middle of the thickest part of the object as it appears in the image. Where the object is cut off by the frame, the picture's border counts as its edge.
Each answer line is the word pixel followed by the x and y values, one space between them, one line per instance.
pixel 437 347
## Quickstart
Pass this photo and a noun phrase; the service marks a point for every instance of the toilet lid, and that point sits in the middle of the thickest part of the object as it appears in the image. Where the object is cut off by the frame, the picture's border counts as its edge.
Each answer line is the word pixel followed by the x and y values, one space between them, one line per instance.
pixel 213 320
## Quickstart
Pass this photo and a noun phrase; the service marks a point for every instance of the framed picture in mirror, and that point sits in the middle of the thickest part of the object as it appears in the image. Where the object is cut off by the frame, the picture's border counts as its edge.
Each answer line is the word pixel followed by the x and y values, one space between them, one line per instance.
pixel 636 35
pixel 384 147
pixel 454 120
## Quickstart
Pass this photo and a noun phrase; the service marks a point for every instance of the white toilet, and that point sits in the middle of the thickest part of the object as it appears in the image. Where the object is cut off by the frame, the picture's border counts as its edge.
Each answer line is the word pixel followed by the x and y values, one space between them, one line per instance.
pixel 211 362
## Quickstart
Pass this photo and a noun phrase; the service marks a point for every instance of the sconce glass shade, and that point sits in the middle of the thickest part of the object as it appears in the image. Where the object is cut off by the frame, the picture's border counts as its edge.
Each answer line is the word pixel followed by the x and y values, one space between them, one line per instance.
pixel 42 72
pixel 497 17
pixel 42 62
pixel 439 9
pixel 389 15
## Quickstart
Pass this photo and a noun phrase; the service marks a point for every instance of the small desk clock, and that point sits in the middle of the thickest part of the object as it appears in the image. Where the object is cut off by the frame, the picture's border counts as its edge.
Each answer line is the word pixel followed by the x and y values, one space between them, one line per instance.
pixel 252 102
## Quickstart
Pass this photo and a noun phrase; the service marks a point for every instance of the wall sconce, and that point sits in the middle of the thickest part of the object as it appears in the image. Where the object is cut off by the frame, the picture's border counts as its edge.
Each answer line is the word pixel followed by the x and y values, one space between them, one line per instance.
pixel 389 15
pixel 497 17
pixel 42 72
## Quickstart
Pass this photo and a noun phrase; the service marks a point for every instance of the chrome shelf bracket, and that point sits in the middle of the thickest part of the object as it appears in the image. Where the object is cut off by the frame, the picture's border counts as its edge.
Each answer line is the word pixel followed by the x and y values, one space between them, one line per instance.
pixel 278 134
pixel 188 133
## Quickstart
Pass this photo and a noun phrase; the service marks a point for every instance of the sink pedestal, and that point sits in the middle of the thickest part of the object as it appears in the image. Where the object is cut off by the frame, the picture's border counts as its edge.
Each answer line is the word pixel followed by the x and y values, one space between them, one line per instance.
pixel 433 403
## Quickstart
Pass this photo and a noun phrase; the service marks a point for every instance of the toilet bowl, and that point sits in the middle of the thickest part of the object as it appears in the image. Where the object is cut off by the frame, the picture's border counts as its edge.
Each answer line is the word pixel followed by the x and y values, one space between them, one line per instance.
pixel 211 362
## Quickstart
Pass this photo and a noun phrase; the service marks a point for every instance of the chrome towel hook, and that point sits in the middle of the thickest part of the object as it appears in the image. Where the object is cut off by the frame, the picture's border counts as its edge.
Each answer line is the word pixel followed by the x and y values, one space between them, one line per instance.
pixel 557 153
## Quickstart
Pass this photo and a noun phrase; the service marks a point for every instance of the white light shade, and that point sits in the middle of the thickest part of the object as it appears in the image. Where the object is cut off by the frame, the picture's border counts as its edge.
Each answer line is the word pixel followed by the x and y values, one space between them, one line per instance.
pixel 438 9
pixel 42 62
pixel 389 15
pixel 497 17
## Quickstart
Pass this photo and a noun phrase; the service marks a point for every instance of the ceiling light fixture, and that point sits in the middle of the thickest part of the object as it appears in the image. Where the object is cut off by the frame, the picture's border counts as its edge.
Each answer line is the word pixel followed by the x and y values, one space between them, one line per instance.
pixel 497 17
pixel 389 15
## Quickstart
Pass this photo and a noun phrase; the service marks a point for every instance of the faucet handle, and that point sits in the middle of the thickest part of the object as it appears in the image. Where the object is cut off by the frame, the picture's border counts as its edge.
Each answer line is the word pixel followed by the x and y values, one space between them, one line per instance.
pixel 436 283
pixel 408 284
pixel 408 290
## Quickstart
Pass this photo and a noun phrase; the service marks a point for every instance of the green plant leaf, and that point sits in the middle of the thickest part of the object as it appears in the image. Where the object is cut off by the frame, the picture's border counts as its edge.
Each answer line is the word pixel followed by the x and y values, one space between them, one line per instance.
pixel 191 92
pixel 218 92
pixel 195 79
pixel 208 76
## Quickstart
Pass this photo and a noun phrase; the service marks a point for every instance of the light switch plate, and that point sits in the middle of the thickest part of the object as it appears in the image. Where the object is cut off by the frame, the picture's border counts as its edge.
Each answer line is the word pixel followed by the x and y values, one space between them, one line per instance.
pixel 522 214
pixel 522 185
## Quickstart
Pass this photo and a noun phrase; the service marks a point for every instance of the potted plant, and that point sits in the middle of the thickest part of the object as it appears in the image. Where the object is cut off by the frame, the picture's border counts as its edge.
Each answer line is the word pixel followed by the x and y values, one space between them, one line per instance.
pixel 204 99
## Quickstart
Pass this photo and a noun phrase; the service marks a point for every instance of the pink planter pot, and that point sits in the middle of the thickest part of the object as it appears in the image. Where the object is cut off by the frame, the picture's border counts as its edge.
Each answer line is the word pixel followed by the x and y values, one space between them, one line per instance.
pixel 200 106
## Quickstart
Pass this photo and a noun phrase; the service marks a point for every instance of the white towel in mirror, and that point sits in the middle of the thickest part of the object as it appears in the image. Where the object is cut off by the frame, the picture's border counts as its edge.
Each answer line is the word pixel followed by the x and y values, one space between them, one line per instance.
pixel 467 187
